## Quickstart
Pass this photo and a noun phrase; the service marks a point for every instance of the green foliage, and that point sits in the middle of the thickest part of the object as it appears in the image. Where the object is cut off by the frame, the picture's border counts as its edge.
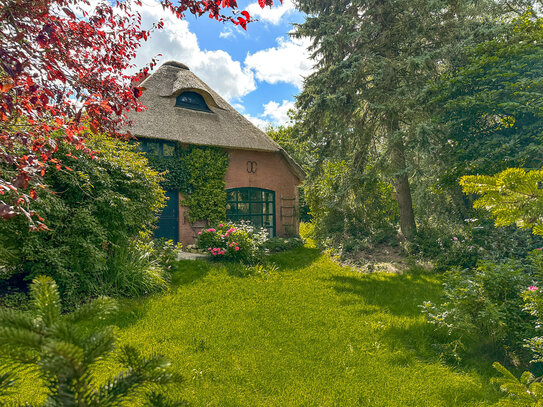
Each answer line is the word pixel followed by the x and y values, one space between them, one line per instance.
pixel 347 209
pixel 374 61
pixel 279 244
pixel 65 353
pixel 198 173
pixel 95 215
pixel 490 105
pixel 526 391
pixel 486 115
pixel 207 196
pixel 239 242
pixel 512 196
pixel 482 310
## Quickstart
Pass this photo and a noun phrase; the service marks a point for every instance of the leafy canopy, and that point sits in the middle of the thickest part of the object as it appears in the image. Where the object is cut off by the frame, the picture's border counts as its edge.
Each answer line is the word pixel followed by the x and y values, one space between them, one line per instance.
pixel 512 196
pixel 63 68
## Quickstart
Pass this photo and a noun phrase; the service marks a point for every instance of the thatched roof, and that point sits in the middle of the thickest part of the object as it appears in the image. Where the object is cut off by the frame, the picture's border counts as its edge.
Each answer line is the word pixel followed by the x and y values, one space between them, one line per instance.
pixel 223 127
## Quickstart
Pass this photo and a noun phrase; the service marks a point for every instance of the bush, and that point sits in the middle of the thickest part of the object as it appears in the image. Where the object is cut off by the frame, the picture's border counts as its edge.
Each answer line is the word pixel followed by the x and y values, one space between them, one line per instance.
pixel 465 246
pixel 279 244
pixel 482 310
pixel 351 211
pixel 95 213
pixel 239 242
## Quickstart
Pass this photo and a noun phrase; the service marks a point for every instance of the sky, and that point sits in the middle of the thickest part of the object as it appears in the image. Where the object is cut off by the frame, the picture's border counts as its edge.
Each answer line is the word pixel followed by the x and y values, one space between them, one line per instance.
pixel 259 71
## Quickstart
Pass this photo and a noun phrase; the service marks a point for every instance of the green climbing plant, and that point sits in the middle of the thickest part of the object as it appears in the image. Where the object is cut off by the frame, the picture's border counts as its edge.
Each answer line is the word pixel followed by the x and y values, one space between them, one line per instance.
pixel 198 173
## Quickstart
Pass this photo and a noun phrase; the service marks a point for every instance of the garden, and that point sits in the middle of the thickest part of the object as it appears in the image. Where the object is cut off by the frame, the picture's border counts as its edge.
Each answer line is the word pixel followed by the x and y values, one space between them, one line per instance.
pixel 417 275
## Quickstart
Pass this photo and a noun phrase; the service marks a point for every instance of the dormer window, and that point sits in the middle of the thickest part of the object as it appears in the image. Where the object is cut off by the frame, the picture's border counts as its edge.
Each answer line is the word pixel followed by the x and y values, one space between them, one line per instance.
pixel 193 101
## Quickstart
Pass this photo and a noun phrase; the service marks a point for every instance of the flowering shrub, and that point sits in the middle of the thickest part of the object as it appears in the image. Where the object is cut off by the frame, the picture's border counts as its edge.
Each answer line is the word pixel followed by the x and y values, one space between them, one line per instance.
pixel 483 310
pixel 239 242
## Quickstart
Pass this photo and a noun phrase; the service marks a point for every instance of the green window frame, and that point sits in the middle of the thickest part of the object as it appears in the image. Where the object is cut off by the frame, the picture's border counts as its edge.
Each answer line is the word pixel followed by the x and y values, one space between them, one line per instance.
pixel 158 148
pixel 256 205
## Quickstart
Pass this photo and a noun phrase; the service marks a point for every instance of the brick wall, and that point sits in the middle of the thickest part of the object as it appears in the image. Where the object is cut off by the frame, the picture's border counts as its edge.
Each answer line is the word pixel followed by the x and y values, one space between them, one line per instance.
pixel 257 169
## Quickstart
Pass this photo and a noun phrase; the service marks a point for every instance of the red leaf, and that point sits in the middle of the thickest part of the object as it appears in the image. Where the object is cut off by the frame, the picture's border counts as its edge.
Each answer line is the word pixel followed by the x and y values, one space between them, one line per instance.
pixel 243 23
pixel 5 87
pixel 246 14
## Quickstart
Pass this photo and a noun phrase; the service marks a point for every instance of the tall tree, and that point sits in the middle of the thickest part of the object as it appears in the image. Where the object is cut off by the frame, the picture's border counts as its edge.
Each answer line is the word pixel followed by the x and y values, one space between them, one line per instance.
pixel 373 60
pixel 491 106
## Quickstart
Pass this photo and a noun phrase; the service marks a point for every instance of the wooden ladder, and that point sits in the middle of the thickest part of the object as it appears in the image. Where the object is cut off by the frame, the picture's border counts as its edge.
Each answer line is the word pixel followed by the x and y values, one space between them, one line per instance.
pixel 288 214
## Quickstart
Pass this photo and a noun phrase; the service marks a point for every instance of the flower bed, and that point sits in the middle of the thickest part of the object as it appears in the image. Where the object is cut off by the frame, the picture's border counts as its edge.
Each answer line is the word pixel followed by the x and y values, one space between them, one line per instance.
pixel 240 242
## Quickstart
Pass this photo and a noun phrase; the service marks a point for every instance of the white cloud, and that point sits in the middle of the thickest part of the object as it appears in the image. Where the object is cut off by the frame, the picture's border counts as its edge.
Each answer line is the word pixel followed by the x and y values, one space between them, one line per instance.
pixel 272 15
pixel 260 123
pixel 227 33
pixel 288 62
pixel 278 112
pixel 176 42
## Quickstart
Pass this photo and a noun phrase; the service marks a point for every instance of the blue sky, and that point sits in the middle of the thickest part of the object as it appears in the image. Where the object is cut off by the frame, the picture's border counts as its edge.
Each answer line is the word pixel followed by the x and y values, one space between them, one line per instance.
pixel 259 71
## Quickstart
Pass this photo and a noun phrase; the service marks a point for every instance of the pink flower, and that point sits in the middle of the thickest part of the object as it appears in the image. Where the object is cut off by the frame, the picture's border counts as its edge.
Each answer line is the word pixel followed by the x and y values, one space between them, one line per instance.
pixel 533 288
pixel 222 236
pixel 199 233
pixel 236 248
pixel 221 225
pixel 210 230
pixel 455 238
pixel 539 248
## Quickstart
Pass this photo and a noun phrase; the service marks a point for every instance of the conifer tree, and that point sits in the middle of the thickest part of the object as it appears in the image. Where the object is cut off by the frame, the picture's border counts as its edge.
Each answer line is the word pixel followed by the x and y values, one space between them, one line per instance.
pixel 64 353
pixel 374 59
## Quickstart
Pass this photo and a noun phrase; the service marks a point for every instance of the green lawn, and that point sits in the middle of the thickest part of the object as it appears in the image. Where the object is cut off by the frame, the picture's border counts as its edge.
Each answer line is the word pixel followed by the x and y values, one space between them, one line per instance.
pixel 311 333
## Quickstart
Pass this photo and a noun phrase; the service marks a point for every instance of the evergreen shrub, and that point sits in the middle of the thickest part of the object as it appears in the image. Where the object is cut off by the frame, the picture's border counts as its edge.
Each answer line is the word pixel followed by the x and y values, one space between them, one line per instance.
pixel 64 353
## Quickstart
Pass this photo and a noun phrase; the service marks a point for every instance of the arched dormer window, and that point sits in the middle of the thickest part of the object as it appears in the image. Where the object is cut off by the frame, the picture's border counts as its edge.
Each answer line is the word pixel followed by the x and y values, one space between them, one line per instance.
pixel 193 101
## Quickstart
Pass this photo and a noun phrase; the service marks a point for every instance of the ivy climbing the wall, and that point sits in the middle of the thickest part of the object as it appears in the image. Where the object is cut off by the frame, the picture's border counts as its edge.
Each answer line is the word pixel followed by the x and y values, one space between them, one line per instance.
pixel 196 171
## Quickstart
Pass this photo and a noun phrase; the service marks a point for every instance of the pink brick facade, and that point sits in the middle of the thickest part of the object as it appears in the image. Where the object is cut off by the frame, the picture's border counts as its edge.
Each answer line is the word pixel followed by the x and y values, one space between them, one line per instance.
pixel 257 169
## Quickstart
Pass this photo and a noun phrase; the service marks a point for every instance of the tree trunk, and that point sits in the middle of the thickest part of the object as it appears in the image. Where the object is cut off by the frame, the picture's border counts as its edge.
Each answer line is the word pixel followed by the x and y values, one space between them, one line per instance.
pixel 403 191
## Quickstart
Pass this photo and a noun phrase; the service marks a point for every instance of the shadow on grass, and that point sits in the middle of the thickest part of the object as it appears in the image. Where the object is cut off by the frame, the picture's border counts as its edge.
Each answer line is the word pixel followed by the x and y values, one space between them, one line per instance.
pixel 397 294
pixel 294 259
pixel 189 271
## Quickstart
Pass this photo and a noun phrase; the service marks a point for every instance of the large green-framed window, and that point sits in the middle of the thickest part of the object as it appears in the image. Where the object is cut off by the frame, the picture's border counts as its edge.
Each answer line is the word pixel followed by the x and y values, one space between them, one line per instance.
pixel 252 204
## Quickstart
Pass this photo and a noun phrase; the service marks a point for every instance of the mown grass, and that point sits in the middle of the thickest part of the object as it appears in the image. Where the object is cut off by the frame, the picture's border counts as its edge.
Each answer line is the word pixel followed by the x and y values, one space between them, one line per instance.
pixel 311 333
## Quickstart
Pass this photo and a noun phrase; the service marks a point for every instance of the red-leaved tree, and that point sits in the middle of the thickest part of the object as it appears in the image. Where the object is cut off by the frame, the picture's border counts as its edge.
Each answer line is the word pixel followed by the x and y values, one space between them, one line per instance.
pixel 63 74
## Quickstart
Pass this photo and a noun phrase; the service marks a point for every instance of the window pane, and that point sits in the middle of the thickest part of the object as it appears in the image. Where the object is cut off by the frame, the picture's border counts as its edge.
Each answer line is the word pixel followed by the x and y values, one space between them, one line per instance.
pixel 268 208
pixel 256 220
pixel 256 208
pixel 168 150
pixel 243 208
pixel 268 221
pixel 151 148
pixel 256 195
pixel 231 196
pixel 268 196
pixel 243 195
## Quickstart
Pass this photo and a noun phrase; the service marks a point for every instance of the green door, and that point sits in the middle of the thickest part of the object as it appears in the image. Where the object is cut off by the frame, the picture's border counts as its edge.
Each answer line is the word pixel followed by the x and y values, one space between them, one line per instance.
pixel 252 204
pixel 168 223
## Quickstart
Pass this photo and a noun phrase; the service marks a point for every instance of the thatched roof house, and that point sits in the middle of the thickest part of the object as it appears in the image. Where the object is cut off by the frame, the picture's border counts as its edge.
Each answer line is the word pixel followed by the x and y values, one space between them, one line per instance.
pixel 182 108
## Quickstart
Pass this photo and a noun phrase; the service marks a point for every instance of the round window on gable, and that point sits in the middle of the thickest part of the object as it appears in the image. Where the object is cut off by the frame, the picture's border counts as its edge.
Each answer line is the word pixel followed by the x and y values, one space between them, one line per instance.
pixel 193 101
